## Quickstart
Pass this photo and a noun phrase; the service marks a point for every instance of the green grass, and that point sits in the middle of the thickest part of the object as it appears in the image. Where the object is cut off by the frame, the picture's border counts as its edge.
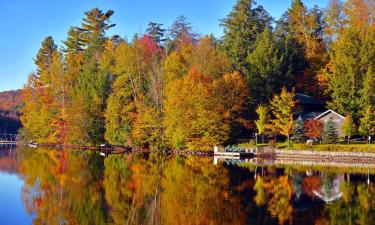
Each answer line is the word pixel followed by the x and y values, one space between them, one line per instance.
pixel 336 147
pixel 316 147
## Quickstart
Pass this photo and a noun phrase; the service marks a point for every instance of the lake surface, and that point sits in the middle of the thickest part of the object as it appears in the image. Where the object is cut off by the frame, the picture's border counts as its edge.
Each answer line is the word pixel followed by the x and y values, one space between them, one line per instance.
pixel 45 186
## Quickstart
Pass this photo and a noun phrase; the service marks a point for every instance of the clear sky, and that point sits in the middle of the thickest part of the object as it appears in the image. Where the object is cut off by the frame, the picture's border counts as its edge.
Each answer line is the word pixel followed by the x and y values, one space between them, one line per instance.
pixel 27 22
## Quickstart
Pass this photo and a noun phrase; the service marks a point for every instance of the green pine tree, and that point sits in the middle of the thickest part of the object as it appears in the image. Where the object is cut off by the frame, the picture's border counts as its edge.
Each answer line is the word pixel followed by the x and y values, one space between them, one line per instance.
pixel 330 134
pixel 156 33
pixel 298 131
pixel 93 82
pixel 265 74
pixel 241 29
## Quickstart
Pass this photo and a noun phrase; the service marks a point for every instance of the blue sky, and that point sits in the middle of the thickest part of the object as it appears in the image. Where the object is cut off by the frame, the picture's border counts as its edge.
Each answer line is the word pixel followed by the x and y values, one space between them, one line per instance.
pixel 27 22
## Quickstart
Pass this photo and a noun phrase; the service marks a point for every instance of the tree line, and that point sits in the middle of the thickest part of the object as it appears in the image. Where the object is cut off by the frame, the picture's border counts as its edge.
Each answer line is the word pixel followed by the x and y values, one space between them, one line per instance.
pixel 175 88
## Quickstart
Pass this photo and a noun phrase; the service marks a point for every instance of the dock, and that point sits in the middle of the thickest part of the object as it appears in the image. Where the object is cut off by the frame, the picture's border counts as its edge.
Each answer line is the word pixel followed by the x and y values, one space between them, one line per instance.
pixel 7 142
pixel 232 153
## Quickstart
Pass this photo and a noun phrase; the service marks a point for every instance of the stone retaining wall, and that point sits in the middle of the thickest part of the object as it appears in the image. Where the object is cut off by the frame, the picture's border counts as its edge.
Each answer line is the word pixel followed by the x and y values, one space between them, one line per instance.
pixel 324 156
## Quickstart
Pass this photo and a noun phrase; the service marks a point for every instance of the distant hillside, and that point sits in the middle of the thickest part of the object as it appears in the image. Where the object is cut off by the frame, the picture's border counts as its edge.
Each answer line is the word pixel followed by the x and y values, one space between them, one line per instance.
pixel 10 102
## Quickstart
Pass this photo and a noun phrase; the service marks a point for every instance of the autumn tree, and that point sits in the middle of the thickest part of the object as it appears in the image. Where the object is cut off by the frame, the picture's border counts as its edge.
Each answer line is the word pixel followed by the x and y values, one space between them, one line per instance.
pixel 352 59
pixel 193 119
pixel 232 97
pixel 348 127
pixel 282 107
pixel 208 60
pixel 120 112
pixel 367 122
pixel 263 120
pixel 313 128
pixel 43 96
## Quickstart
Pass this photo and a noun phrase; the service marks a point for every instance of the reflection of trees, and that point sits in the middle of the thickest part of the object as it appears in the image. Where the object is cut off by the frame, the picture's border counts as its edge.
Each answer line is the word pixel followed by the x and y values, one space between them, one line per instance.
pixel 62 187
pixel 72 187
pixel 358 207
pixel 280 202
pixel 197 192
pixel 132 190
pixel 260 197
pixel 277 191
pixel 181 191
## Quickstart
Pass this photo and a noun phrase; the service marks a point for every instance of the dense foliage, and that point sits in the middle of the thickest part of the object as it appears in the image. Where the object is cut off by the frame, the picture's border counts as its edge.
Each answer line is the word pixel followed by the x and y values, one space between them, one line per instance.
pixel 178 89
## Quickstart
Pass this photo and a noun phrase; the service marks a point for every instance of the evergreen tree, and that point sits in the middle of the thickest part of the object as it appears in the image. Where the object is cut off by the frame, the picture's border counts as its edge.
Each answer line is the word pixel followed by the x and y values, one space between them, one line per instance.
pixel 180 33
pixel 241 29
pixel 93 83
pixel 298 131
pixel 265 74
pixel 329 133
pixel 74 42
pixel 43 59
pixel 94 26
pixel 156 33
pixel 348 127
pixel 181 29
pixel 301 30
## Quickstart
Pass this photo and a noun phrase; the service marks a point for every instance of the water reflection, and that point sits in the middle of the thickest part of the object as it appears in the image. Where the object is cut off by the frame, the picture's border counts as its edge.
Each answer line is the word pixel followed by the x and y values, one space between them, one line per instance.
pixel 74 187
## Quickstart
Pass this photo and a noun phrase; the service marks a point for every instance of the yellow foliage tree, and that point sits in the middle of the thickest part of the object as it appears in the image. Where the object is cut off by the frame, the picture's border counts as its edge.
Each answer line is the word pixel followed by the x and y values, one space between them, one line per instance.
pixel 282 107
pixel 193 119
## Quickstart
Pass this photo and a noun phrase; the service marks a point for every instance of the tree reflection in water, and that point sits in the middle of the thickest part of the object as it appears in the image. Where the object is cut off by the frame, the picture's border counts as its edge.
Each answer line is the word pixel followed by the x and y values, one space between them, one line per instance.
pixel 62 187
pixel 74 187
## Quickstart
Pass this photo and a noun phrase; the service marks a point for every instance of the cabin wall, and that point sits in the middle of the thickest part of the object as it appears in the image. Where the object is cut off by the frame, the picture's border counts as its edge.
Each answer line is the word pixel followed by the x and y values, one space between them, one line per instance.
pixel 338 120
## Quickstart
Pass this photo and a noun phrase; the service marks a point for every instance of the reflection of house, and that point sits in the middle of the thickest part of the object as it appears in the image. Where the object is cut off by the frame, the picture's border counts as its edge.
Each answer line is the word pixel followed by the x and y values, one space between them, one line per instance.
pixel 330 189
pixel 335 117
pixel 308 107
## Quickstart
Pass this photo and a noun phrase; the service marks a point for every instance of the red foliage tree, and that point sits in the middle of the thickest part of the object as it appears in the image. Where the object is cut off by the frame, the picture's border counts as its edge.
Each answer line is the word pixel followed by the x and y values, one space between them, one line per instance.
pixel 151 48
pixel 313 128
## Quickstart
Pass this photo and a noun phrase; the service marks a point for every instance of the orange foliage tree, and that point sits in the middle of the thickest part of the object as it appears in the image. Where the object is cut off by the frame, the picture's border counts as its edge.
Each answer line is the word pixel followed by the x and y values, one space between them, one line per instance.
pixel 313 128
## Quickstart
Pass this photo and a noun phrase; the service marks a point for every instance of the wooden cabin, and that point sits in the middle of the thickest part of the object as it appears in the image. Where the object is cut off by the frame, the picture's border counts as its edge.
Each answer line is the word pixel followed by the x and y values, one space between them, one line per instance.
pixel 337 118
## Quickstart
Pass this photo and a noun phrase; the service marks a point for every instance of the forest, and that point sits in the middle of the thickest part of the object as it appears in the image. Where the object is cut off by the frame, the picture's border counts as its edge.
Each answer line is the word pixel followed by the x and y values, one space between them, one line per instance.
pixel 174 88
pixel 11 102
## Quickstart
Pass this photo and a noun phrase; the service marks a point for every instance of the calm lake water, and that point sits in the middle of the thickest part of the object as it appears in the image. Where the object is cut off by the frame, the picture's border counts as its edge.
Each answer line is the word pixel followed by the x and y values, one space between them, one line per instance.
pixel 40 186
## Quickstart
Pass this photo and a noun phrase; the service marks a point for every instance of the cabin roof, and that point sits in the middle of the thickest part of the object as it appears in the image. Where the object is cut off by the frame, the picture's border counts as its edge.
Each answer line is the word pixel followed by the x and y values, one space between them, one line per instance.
pixel 327 112
pixel 306 99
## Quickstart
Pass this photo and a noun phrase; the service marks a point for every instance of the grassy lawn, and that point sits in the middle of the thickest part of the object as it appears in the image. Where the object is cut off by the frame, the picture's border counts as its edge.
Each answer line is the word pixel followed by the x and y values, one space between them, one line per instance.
pixel 336 147
pixel 316 147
